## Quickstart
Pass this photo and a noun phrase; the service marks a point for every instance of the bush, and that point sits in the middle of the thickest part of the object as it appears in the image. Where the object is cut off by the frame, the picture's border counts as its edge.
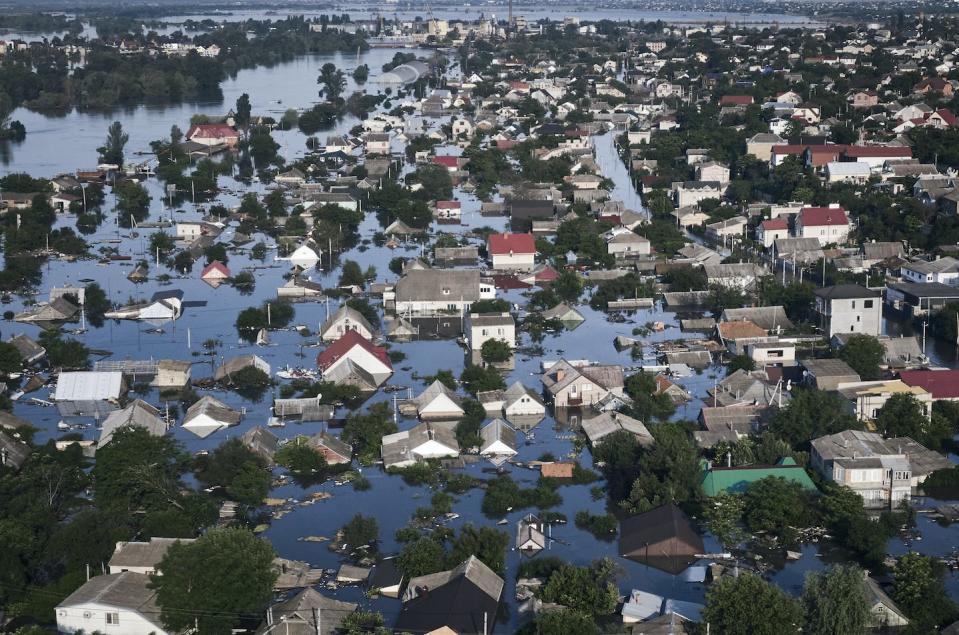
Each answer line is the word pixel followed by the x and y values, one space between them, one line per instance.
pixel 603 527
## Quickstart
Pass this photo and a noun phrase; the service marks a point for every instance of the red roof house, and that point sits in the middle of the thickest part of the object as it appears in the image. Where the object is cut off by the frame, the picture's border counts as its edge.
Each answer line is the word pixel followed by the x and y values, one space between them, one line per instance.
pixel 943 384
pixel 823 216
pixel 215 273
pixel 512 251
pixel 735 100
pixel 449 162
pixel 212 134
pixel 355 360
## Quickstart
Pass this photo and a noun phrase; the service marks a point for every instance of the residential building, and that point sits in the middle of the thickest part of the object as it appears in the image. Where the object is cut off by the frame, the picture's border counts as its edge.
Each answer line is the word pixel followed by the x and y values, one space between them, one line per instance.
pixel 599 427
pixel 464 600
pixel 439 291
pixel 346 319
pixel 482 327
pixel 772 229
pixel 423 441
pixel 141 557
pixel 942 270
pixel 827 224
pixel 333 449
pixel 499 441
pixel 571 386
pixel 512 251
pixel 865 399
pixel 115 603
pixel 308 612
pixel 882 471
pixel 663 538
pixel 718 479
pixel 209 415
pixel 139 414
pixel 355 360
pixel 438 402
pixel 760 145
pixel 625 243
pixel 520 401
pixel 849 308
pixel 692 192
pixel 942 384
pixel 213 134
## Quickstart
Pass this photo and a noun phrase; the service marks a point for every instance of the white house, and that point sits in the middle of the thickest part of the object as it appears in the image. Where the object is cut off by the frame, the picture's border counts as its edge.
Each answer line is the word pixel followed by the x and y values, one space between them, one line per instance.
pixel 482 327
pixel 439 291
pixel 512 251
pixel 520 401
pixel 121 603
pixel 345 319
pixel 625 243
pixel 421 442
pixel 499 441
pixel 942 270
pixel 828 224
pixel 141 557
pixel 438 402
pixel 355 360
pixel 208 415
pixel 847 172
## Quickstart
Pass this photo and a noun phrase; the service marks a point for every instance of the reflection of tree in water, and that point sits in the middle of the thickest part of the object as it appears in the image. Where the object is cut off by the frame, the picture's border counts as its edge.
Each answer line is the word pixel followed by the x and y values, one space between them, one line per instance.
pixel 6 151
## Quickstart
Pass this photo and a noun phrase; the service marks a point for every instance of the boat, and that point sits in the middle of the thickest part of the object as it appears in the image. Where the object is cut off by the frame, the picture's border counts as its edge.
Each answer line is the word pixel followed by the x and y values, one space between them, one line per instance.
pixel 275 422
pixel 296 373
pixel 63 425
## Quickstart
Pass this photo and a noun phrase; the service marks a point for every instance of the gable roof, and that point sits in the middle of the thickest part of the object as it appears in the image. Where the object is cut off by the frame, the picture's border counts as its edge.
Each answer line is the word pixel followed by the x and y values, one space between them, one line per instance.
pixel 823 216
pixel 508 244
pixel 342 346
pixel 129 591
pixel 459 599
pixel 943 384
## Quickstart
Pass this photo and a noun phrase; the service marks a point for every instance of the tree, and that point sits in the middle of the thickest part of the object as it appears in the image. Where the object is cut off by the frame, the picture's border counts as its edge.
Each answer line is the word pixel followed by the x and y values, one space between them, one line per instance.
pixel 243 111
pixel 333 81
pixel 421 557
pixel 835 601
pixel 241 473
pixel 361 73
pixel 568 286
pixel 864 354
pixel 233 568
pixel 647 405
pixel 777 506
pixel 748 605
pixel 723 514
pixel 811 414
pixel 133 202
pixel 95 303
pixel 360 530
pixel 902 416
pixel 112 150
pixel 495 350
pixel 486 543
pixel 740 362
pixel 365 432
pixel 560 622
pixel 478 379
pixel 11 361
pixel 351 274
pixel 589 591
pixel 919 590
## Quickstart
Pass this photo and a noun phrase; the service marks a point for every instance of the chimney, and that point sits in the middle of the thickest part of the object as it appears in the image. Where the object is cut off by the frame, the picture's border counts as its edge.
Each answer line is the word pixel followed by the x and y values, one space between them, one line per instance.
pixel 560 375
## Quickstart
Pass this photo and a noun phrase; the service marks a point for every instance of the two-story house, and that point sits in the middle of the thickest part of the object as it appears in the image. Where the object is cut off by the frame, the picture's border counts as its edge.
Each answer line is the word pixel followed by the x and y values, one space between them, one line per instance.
pixel 582 385
pixel 882 471
pixel 849 308
pixel 482 327
pixel 829 225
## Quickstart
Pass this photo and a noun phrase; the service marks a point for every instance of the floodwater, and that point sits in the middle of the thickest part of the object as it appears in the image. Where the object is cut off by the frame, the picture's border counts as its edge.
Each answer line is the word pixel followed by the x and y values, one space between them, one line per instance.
pixel 392 501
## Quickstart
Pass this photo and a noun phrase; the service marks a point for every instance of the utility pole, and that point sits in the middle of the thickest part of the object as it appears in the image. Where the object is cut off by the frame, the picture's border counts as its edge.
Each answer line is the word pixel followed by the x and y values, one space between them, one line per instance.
pixel 316 621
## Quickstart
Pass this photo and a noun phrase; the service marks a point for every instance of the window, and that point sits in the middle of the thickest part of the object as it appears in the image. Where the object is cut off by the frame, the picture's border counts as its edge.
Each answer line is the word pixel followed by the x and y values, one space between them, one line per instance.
pixel 867 304
pixel 854 304
pixel 113 618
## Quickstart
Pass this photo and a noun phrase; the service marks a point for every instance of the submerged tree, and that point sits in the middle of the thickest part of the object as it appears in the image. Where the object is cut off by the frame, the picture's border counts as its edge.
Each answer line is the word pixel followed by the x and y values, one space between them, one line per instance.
pixel 112 149
pixel 332 80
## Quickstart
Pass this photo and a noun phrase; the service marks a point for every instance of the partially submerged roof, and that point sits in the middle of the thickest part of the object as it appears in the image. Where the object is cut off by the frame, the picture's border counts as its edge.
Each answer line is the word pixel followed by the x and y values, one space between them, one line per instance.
pixel 663 537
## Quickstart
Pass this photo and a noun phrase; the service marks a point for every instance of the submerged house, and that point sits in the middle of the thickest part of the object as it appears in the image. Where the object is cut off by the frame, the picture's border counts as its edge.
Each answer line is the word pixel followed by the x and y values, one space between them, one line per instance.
pixel 139 414
pixel 209 415
pixel 717 479
pixel 164 306
pixel 499 441
pixel 89 392
pixel 521 402
pixel 261 442
pixel 215 274
pixel 423 441
pixel 57 310
pixel 529 534
pixel 334 450
pixel 663 538
pixel 346 319
pixel 571 386
pixel 355 360
pixel 233 365
pixel 439 402
pixel 307 612
pixel 464 600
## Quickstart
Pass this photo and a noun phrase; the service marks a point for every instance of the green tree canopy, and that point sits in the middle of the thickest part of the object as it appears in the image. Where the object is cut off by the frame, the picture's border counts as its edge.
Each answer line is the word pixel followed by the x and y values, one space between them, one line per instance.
pixel 835 601
pixel 864 354
pixel 234 569
pixel 748 605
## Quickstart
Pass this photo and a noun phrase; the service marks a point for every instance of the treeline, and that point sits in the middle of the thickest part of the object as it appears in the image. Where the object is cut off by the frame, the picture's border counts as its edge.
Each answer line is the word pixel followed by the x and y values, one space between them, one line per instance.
pixel 40 78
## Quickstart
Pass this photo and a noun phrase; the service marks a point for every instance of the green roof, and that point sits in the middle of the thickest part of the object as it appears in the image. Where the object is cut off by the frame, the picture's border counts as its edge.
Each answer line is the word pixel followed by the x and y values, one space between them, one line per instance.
pixel 737 479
